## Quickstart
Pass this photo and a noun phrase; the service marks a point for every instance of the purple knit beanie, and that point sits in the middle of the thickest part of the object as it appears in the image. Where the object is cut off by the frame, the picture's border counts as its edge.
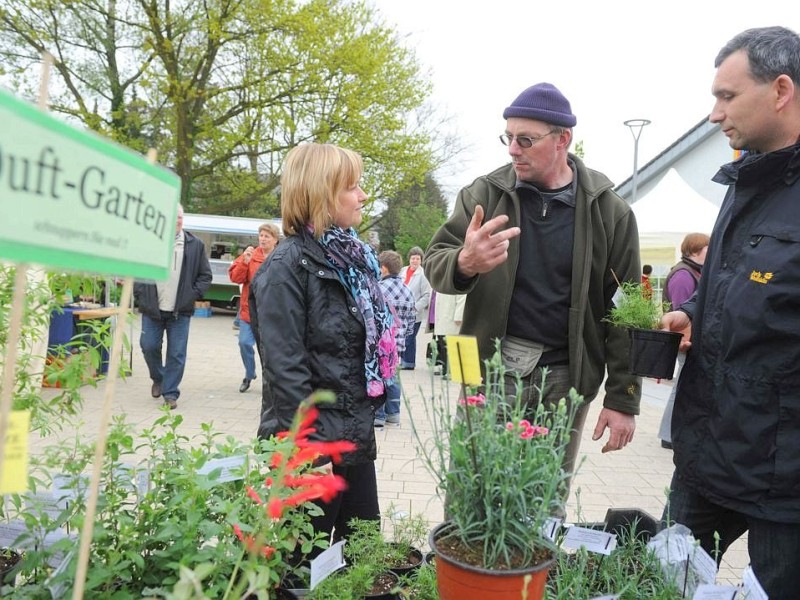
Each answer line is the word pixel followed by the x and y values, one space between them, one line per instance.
pixel 542 102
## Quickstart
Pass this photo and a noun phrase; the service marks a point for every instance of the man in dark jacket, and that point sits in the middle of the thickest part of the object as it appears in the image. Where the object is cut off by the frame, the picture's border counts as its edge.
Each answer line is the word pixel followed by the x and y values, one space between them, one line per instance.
pixel 538 246
pixel 167 307
pixel 736 425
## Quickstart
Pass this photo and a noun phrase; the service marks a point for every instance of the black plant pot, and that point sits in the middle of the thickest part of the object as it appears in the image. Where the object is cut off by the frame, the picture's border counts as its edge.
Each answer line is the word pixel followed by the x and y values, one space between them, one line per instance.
pixel 414 561
pixel 653 352
pixel 8 565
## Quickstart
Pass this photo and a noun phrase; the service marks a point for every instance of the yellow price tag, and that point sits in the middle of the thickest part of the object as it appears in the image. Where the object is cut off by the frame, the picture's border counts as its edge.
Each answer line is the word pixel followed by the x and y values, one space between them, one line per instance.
pixel 462 354
pixel 14 477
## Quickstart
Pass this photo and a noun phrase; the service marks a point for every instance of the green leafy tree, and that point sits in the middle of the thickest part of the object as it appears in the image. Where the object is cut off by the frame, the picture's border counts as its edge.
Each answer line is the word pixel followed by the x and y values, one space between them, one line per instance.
pixel 412 216
pixel 224 88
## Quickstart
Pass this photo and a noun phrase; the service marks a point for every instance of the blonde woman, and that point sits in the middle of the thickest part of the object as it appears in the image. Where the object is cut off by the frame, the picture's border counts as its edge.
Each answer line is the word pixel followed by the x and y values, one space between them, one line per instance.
pixel 324 323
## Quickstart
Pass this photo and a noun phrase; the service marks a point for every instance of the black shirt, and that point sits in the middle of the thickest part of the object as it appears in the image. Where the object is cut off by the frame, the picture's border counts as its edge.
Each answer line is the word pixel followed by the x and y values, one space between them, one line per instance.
pixel 539 309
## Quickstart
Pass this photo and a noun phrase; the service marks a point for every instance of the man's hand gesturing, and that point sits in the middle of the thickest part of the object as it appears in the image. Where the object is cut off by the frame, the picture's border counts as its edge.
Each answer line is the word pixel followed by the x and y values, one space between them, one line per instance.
pixel 485 245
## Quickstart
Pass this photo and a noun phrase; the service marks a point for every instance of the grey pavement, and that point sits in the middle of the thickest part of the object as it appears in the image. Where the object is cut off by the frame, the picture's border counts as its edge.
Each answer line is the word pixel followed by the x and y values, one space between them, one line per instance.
pixel 635 477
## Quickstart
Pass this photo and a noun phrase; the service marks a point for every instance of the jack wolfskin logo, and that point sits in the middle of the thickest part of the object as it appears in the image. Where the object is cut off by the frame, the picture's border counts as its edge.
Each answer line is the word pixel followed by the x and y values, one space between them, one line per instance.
pixel 760 277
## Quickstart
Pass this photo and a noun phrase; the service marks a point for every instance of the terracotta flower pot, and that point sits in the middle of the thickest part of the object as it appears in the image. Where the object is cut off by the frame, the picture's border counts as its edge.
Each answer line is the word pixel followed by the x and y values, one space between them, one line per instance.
pixel 460 581
pixel 653 352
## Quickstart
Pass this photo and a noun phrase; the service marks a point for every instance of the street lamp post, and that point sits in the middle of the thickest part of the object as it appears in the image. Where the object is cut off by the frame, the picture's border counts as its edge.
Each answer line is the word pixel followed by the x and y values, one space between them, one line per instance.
pixel 636 126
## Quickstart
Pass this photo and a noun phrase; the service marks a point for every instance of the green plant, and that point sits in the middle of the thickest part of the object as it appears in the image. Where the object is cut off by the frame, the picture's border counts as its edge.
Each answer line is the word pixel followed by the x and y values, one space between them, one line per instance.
pixel 501 476
pixel 369 556
pixel 408 533
pixel 48 409
pixel 631 571
pixel 633 309
pixel 171 525
pixel 420 585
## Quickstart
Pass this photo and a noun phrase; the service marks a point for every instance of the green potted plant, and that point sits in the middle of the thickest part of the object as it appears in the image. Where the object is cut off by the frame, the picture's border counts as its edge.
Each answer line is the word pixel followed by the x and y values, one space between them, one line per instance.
pixel 408 532
pixel 368 574
pixel 652 351
pixel 502 479
pixel 630 572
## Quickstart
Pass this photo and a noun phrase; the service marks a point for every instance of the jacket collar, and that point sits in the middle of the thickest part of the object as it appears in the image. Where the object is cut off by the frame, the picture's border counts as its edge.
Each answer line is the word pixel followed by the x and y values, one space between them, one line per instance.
pixel 592 183
pixel 783 164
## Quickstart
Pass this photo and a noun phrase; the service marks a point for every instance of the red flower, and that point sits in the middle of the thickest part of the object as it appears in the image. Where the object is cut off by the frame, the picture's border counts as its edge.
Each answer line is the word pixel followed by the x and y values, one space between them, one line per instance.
pixel 254 495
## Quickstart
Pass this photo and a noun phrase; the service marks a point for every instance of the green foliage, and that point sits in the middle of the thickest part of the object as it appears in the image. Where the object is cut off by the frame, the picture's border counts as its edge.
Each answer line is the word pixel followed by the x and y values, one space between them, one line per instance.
pixel 631 570
pixel 224 89
pixel 500 474
pixel 634 308
pixel 368 555
pixel 163 527
pixel 68 366
pixel 411 217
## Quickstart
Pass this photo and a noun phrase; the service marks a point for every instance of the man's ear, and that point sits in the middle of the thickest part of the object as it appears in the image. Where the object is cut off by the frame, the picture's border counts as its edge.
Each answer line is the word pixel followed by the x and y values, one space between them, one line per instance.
pixel 785 91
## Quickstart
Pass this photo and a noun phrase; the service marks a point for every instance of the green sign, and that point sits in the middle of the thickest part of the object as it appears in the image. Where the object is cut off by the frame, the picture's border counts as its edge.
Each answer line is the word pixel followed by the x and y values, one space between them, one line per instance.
pixel 73 200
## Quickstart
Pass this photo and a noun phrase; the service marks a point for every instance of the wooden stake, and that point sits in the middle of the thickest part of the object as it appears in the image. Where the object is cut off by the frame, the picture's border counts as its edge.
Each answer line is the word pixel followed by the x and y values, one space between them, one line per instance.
pixel 100 442
pixel 12 344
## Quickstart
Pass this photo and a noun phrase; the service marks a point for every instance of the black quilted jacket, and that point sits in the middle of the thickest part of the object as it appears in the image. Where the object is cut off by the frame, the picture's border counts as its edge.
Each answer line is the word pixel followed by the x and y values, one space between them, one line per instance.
pixel 311 336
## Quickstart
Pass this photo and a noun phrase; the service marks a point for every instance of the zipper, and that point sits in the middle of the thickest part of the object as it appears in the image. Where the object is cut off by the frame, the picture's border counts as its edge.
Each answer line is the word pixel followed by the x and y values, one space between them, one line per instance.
pixel 544 208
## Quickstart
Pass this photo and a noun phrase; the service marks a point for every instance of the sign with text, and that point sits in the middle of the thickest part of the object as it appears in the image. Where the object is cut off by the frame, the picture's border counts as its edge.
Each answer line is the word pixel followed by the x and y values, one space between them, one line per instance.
pixel 74 200
pixel 14 477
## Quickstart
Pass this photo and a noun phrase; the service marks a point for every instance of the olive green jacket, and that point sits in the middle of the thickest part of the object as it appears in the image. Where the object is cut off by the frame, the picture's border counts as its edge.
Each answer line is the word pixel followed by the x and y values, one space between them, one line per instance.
pixel 606 239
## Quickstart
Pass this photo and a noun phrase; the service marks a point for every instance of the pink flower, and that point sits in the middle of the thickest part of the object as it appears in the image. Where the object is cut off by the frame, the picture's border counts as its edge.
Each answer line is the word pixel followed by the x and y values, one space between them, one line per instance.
pixel 477 400
pixel 509 426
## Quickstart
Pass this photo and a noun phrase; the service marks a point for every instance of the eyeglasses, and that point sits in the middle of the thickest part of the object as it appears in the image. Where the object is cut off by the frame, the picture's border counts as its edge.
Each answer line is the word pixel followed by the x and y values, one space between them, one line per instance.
pixel 524 141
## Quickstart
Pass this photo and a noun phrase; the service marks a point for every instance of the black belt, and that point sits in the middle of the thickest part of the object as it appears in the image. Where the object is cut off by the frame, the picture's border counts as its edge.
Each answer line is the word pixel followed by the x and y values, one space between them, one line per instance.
pixel 552 358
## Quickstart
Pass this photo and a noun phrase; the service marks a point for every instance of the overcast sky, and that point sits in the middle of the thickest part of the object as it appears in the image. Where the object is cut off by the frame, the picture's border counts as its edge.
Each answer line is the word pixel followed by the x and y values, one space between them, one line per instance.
pixel 614 61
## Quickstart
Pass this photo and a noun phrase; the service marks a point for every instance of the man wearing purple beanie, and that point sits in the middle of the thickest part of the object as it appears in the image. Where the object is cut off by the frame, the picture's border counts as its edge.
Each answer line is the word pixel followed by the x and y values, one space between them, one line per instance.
pixel 536 246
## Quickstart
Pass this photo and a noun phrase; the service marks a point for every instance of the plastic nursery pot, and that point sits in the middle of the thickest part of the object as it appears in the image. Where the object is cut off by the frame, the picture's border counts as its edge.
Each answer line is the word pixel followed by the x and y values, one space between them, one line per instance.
pixel 387 581
pixel 459 581
pixel 653 352
pixel 414 561
pixel 8 561
pixel 430 558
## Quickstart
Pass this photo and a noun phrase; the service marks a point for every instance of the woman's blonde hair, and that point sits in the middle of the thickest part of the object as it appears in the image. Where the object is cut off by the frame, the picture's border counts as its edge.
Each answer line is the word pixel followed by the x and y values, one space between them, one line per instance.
pixel 313 176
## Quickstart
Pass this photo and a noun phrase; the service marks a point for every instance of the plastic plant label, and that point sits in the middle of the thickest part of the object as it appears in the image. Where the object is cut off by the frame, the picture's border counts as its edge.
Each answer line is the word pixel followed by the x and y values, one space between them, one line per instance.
pixel 607 597
pixel 751 588
pixel 462 355
pixel 14 478
pixel 707 591
pixel 326 563
pixel 550 528
pixel 704 565
pixel 231 468
pixel 600 542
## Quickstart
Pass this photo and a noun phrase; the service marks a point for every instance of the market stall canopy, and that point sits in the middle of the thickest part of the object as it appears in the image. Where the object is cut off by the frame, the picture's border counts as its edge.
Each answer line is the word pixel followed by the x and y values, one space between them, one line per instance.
pixel 673 206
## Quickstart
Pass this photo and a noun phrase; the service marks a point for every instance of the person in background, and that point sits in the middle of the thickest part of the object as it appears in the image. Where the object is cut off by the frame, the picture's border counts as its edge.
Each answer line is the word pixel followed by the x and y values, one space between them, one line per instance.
pixel 324 323
pixel 536 246
pixel 242 271
pixel 401 300
pixel 647 286
pixel 449 314
pixel 414 277
pixel 167 307
pixel 680 284
pixel 736 424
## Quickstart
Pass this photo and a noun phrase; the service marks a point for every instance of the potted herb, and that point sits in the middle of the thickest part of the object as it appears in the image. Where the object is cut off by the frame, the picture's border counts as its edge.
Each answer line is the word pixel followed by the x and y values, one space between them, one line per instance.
pixel 630 572
pixel 502 480
pixel 652 351
pixel 408 532
pixel 368 574
pixel 8 561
